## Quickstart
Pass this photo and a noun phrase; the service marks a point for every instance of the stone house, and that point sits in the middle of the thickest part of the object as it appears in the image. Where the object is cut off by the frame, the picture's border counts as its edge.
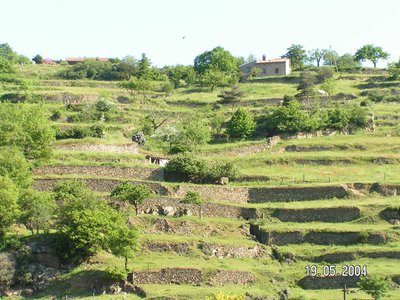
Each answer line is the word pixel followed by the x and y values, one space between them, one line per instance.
pixel 267 67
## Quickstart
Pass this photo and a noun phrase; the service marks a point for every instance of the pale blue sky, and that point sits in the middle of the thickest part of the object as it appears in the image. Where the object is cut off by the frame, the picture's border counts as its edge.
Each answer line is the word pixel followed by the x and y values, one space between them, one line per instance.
pixel 102 28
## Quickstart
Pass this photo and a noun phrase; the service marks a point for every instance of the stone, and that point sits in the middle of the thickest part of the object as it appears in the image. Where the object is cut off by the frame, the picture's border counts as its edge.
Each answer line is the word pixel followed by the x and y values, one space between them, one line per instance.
pixel 168 211
pixel 394 221
pixel 223 180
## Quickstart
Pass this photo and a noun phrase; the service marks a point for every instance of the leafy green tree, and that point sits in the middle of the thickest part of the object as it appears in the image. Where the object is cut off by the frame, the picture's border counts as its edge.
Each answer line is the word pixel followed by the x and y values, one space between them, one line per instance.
pixel 123 241
pixel 347 62
pixel 372 53
pixel 180 75
pixel 7 53
pixel 14 165
pixel 9 211
pixel 375 286
pixel 138 85
pixel 330 58
pixel 144 67
pixel 218 59
pixel 193 198
pixel 232 96
pixel 297 56
pixel 28 128
pixel 38 59
pixel 6 66
pixel 289 118
pixel 394 70
pixel 38 210
pixel 151 122
pixel 194 133
pixel 317 55
pixel 307 84
pixel 323 74
pixel 214 78
pixel 133 194
pixel 87 225
pixel 338 118
pixel 241 124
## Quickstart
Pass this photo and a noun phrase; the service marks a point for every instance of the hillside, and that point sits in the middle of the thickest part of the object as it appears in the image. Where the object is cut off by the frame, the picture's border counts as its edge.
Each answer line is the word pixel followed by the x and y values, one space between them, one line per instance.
pixel 299 200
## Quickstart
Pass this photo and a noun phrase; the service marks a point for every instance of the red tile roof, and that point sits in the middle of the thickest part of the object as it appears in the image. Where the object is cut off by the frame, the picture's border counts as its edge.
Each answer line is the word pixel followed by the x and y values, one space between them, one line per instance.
pixel 273 60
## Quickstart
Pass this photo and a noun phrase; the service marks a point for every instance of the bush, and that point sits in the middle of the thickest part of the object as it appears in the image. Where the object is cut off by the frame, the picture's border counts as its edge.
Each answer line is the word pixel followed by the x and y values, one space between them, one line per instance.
pixel 188 168
pixel 241 124
pixel 116 274
pixel 55 115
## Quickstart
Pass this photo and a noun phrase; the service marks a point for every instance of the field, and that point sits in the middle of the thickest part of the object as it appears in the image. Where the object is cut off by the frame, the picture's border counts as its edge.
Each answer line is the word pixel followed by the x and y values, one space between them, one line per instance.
pixel 363 166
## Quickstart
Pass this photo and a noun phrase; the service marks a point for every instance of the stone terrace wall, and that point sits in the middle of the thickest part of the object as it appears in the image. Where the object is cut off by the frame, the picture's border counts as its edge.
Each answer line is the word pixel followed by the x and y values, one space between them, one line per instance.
pixel 125 148
pixel 314 237
pixel 99 185
pixel 229 194
pixel 131 172
pixel 335 282
pixel 167 276
pixel 331 214
pixel 259 195
pixel 172 207
pixel 231 277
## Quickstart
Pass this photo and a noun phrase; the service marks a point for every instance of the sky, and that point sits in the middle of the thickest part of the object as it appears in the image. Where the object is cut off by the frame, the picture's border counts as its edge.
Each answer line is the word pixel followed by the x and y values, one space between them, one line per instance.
pixel 176 31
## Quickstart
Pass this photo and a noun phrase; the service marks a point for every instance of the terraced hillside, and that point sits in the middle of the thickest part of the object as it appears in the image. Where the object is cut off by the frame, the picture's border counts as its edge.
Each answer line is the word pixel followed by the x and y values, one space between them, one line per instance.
pixel 298 200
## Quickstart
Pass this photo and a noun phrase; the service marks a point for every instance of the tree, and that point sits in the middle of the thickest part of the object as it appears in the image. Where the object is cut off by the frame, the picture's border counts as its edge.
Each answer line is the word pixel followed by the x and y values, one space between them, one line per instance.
pixel 375 286
pixel 193 198
pixel 241 124
pixel 6 66
pixel 195 132
pixel 372 53
pixel 218 59
pixel 232 96
pixel 14 165
pixel 133 194
pixel 38 59
pixel 38 210
pixel 289 118
pixel 180 75
pixel 8 204
pixel 347 62
pixel 394 70
pixel 144 67
pixel 214 78
pixel 297 56
pixel 329 85
pixel 123 241
pixel 27 127
pixel 167 134
pixel 137 85
pixel 87 225
pixel 7 53
pixel 306 85
pixel 317 55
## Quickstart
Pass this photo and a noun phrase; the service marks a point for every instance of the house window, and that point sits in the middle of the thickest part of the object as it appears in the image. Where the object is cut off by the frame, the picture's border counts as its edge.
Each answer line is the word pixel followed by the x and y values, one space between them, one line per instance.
pixel 276 70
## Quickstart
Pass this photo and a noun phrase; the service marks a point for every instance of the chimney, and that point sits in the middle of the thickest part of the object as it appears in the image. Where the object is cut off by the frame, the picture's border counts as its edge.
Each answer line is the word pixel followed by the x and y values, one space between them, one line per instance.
pixel 264 57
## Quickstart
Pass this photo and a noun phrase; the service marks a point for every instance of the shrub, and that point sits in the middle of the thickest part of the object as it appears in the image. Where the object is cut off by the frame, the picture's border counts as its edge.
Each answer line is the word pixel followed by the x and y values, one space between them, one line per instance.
pixel 55 115
pixel 188 168
pixel 241 124
pixel 116 274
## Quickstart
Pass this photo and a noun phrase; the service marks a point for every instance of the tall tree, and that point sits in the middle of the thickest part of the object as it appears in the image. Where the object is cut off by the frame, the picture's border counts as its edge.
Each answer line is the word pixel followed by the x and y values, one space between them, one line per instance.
pixel 297 56
pixel 241 124
pixel 317 55
pixel 218 59
pixel 371 53
pixel 214 78
pixel 38 59
pixel 144 67
pixel 7 53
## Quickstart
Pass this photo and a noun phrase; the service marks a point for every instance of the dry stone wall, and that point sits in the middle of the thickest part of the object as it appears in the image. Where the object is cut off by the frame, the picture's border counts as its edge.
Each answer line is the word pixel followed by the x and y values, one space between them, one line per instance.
pixel 167 276
pixel 104 171
pixel 231 277
pixel 331 214
pixel 111 148
pixel 335 282
pixel 172 207
pixel 314 237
